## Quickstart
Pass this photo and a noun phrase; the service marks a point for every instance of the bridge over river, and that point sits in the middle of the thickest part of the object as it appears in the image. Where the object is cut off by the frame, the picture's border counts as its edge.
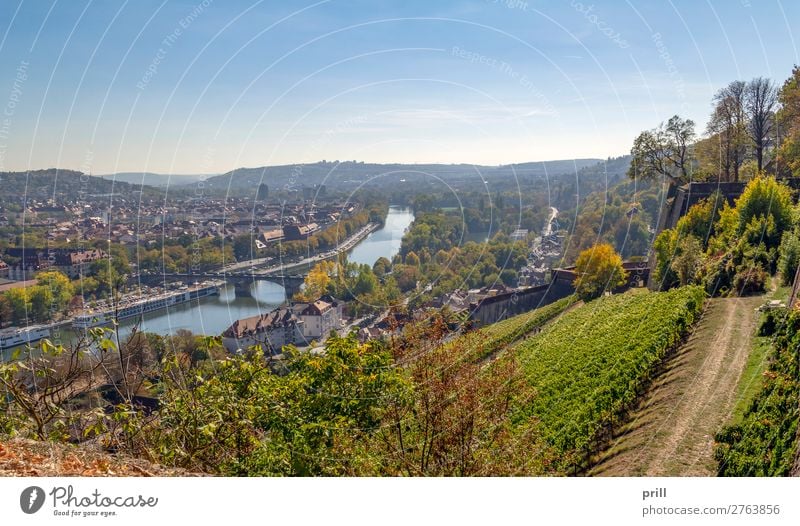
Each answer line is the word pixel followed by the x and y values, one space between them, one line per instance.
pixel 241 280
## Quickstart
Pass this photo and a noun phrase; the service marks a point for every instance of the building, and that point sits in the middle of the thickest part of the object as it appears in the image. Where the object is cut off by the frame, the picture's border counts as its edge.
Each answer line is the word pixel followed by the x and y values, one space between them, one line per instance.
pixel 520 234
pixel 25 262
pixel 271 236
pixel 320 317
pixel 75 263
pixel 272 330
pixel 299 232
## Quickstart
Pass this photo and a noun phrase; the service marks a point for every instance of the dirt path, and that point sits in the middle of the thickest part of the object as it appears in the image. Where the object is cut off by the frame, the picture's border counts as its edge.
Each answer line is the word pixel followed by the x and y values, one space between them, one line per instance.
pixel 672 432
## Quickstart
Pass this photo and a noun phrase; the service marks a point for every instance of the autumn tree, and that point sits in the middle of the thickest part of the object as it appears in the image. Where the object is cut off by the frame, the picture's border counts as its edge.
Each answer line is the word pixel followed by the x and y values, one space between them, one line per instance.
pixel 598 269
pixel 412 259
pixel 727 128
pixel 456 417
pixel 61 288
pixel 317 282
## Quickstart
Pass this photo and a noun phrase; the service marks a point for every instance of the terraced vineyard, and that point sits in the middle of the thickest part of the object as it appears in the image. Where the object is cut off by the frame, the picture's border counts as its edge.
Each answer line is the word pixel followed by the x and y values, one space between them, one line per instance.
pixel 587 368
pixel 494 337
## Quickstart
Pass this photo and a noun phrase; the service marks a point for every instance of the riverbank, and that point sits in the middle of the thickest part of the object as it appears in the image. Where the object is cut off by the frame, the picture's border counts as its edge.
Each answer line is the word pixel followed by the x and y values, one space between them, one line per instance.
pixel 214 314
pixel 348 244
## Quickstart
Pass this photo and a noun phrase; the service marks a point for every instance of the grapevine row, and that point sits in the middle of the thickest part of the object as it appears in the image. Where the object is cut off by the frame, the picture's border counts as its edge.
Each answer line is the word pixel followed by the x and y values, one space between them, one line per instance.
pixel 590 366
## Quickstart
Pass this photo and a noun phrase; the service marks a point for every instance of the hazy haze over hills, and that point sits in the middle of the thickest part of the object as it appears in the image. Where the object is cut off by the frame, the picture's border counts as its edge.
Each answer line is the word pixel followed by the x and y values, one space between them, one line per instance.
pixel 154 179
pixel 349 172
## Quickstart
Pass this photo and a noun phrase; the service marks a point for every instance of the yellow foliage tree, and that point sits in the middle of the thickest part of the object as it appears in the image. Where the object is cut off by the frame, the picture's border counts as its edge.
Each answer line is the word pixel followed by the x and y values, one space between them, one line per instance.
pixel 598 269
pixel 317 281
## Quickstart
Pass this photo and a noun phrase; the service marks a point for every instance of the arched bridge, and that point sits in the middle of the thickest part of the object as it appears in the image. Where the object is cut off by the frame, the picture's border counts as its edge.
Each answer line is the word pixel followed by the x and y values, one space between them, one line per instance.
pixel 241 280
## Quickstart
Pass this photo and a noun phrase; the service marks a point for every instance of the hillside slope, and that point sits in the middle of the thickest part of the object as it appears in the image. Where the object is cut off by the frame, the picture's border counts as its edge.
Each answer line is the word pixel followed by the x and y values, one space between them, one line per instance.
pixel 586 369
pixel 672 431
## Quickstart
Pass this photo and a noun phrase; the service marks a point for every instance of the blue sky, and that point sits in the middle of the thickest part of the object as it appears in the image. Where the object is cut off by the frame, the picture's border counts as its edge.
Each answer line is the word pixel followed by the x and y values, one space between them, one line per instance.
pixel 182 86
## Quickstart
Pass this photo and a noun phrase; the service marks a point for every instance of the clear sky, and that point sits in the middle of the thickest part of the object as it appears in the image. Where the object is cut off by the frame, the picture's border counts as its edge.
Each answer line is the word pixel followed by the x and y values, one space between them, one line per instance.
pixel 181 86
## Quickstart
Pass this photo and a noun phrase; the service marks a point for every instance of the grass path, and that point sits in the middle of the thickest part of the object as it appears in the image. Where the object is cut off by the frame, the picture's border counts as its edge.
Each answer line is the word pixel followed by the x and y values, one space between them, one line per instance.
pixel 672 431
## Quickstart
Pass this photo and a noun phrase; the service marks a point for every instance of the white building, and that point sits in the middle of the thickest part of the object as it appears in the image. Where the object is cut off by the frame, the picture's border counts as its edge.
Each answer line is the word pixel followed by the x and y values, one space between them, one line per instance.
pixel 320 317
pixel 272 330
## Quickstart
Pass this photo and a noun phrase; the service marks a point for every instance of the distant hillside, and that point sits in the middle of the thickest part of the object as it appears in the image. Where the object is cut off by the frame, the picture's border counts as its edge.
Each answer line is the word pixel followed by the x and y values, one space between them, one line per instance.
pixel 354 173
pixel 57 183
pixel 154 179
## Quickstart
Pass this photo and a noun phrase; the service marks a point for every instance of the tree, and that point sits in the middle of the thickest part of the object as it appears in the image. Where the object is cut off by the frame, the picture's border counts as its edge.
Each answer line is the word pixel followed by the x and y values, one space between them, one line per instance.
pixel 789 256
pixel 727 128
pixel 700 218
pixel 243 247
pixel 688 260
pixel 455 419
pixel 6 311
pixel 235 417
pixel 789 119
pixel 761 96
pixel 412 259
pixel 664 152
pixel 406 276
pixel 664 248
pixel 767 199
pixel 41 301
pixel 317 282
pixel 509 277
pixel 19 303
pixel 382 266
pixel 39 390
pixel 59 285
pixel 598 269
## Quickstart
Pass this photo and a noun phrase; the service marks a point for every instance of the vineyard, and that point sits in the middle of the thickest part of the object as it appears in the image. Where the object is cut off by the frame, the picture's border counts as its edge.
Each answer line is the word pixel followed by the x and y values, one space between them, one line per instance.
pixel 765 441
pixel 493 338
pixel 590 366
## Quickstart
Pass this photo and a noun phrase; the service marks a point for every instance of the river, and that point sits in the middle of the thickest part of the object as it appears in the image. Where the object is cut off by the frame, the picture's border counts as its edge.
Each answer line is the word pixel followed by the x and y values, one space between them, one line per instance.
pixel 214 314
pixel 386 241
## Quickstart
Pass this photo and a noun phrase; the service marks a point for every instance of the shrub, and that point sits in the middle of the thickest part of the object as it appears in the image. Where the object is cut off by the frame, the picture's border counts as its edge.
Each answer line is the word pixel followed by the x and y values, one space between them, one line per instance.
pixel 789 256
pixel 749 280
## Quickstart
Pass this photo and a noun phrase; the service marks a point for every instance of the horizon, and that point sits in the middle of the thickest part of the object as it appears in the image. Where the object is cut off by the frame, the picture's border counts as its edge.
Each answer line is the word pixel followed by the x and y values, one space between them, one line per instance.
pixel 199 87
pixel 321 161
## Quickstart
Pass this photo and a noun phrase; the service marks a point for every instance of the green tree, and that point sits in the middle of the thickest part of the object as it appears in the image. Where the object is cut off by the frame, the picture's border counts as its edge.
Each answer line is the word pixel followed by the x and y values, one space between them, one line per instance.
pixel 41 302
pixel 60 287
pixel 243 247
pixel 235 417
pixel 664 247
pixel 701 217
pixel 789 119
pixel 6 311
pixel 382 266
pixel 688 260
pixel 509 277
pixel 19 304
pixel 664 152
pixel 765 198
pixel 789 256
